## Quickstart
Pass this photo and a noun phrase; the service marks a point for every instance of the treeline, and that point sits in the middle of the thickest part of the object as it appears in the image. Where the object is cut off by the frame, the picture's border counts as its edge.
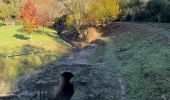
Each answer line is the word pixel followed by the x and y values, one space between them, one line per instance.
pixel 87 12
pixel 145 10
pixel 77 13
pixel 11 10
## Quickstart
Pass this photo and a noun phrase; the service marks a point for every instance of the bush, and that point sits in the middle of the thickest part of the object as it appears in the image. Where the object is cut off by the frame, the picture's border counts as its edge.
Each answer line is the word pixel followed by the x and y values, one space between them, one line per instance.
pixel 5 11
pixel 8 12
pixel 152 10
pixel 155 9
pixel 133 9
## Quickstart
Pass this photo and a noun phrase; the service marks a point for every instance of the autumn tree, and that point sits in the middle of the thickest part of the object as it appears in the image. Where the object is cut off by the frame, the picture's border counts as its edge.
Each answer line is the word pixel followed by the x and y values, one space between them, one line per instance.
pixel 46 11
pixel 77 11
pixel 85 12
pixel 29 17
pixel 104 11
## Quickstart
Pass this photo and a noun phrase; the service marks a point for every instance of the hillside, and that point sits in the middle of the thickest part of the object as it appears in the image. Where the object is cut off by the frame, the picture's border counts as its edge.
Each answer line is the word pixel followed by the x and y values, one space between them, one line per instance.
pixel 143 52
pixel 19 56
pixel 130 62
pixel 84 49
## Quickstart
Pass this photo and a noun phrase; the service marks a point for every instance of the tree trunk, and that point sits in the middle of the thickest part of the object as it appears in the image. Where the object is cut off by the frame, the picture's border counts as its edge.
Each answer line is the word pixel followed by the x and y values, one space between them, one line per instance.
pixel 31 36
pixel 159 18
pixel 77 26
pixel 133 17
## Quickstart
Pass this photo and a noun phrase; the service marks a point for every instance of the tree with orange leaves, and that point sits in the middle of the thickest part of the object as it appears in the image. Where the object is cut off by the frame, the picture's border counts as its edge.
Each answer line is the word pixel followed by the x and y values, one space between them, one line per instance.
pixel 29 17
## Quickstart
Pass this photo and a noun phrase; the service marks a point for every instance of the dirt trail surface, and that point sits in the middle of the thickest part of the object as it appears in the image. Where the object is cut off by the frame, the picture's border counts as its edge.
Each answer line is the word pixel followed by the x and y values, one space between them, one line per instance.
pixel 102 60
pixel 81 57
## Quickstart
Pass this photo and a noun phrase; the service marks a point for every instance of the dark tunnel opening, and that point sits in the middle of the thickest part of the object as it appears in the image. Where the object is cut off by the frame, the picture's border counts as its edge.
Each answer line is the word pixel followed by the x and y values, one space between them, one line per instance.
pixel 66 89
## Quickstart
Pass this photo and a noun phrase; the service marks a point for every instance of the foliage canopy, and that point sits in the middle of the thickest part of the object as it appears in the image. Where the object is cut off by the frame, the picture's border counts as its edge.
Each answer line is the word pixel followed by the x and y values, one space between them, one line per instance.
pixel 91 12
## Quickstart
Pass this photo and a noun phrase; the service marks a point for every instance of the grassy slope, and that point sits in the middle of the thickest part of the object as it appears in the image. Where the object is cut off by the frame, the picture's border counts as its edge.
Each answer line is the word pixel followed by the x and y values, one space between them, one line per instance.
pixel 13 40
pixel 146 65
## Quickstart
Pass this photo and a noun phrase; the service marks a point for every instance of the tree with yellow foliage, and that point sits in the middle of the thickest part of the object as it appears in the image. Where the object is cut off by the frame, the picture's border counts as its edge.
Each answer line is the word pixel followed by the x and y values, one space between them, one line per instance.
pixel 85 12
pixel 104 11
pixel 77 12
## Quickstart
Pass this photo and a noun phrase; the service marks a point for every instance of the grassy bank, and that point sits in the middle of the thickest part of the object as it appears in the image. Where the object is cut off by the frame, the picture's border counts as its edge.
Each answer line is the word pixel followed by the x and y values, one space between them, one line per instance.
pixel 14 41
pixel 141 55
pixel 146 63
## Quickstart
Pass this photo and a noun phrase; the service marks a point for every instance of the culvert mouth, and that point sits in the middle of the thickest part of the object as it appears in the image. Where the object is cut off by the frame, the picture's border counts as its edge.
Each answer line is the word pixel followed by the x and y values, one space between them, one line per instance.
pixel 66 89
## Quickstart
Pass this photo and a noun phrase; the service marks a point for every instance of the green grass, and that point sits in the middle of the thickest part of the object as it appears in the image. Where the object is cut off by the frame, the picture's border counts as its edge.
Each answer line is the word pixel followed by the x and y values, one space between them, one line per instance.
pixel 110 56
pixel 2 23
pixel 13 40
pixel 107 53
pixel 146 65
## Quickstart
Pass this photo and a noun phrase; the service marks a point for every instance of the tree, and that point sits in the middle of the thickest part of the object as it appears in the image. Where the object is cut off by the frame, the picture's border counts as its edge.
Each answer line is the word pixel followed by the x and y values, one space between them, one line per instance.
pixel 8 12
pixel 155 8
pixel 132 9
pixel 29 17
pixel 104 11
pixel 77 12
pixel 47 11
pixel 166 12
pixel 84 12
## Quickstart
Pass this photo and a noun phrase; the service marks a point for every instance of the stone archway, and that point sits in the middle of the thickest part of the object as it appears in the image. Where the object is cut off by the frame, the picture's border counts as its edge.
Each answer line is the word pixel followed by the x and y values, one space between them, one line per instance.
pixel 65 88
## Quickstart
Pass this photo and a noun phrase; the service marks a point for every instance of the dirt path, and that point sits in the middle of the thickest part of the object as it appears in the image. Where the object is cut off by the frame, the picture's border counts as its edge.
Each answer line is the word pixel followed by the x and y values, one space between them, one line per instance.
pixel 81 57
pixel 106 81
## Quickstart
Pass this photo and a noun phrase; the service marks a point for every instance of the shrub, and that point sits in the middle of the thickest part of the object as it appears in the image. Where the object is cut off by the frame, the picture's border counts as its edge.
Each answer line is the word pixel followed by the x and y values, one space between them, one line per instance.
pixel 155 9
pixel 8 12
pixel 132 10
pixel 143 10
